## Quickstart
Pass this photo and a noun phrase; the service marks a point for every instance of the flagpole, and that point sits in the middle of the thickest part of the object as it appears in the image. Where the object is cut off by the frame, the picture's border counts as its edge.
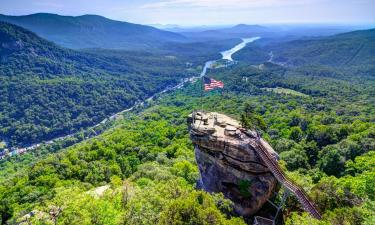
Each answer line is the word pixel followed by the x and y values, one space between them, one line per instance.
pixel 202 90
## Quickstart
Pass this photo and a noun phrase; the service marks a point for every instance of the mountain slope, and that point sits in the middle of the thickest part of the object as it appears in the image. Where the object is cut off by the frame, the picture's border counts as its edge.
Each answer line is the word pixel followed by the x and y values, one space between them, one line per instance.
pixel 48 91
pixel 347 49
pixel 345 55
pixel 92 31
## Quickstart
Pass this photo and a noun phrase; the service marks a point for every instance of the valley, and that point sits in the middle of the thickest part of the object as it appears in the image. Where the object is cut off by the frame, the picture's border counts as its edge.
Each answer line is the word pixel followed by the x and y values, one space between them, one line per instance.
pixel 226 55
pixel 96 131
pixel 83 95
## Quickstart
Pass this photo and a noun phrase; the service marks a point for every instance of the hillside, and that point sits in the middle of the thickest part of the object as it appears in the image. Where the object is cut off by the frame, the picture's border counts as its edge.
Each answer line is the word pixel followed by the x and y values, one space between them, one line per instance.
pixel 47 91
pixel 345 50
pixel 92 31
pixel 345 56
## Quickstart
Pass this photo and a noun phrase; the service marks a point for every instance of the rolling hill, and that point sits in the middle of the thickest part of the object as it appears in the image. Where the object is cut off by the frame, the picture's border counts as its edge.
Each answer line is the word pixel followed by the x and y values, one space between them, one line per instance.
pixel 92 31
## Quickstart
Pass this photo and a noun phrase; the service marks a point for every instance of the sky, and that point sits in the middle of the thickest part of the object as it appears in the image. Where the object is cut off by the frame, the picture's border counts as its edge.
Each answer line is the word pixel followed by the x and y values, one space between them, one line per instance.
pixel 205 12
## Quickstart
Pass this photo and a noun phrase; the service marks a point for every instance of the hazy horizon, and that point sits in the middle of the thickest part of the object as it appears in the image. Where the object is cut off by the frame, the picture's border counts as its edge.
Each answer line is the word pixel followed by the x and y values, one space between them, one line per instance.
pixel 206 12
pixel 365 25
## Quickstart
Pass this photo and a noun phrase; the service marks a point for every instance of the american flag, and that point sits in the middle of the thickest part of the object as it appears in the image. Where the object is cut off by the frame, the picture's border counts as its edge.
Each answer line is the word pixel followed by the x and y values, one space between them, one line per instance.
pixel 210 84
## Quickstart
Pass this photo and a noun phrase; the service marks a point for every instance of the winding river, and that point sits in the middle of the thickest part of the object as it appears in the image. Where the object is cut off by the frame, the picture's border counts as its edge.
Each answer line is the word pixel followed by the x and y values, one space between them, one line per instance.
pixel 226 55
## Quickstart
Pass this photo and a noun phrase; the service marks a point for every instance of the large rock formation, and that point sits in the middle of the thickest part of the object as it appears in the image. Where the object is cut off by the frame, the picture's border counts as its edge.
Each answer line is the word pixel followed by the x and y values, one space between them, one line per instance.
pixel 229 163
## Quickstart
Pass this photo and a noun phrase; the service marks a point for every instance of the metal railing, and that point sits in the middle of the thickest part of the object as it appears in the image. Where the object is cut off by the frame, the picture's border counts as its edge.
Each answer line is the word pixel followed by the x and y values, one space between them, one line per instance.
pixel 279 174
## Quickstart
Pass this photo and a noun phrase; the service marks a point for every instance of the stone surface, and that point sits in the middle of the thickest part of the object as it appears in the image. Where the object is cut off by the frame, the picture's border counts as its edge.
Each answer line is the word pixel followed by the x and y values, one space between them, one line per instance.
pixel 228 162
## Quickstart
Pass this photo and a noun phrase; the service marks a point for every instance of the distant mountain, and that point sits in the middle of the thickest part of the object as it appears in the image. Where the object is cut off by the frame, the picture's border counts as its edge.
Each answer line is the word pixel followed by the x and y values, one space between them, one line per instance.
pixel 246 29
pixel 285 32
pixel 92 31
pixel 238 31
pixel 342 50
pixel 347 55
pixel 48 91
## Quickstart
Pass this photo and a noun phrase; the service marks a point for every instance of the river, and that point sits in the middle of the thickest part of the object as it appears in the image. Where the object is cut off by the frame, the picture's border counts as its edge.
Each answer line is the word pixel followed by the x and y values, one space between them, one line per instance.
pixel 226 55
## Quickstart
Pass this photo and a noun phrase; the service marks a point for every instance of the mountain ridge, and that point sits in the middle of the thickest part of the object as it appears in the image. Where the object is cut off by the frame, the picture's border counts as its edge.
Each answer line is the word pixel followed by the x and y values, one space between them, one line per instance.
pixel 344 49
pixel 92 31
pixel 349 53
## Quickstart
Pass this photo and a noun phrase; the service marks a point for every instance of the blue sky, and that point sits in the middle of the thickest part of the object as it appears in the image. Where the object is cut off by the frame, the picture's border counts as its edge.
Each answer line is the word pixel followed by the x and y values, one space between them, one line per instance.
pixel 205 12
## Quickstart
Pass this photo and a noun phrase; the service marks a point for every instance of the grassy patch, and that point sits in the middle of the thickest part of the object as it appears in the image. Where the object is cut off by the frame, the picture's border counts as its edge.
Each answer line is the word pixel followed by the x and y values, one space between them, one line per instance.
pixel 286 91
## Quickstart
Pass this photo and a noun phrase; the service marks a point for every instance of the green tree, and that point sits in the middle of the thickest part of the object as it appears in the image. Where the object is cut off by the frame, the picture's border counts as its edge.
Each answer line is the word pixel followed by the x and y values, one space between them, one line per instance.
pixel 295 158
pixel 296 134
pixel 331 161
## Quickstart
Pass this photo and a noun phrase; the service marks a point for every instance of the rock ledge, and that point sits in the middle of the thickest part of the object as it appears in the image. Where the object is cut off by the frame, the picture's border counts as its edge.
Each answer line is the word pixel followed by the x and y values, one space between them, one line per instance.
pixel 229 163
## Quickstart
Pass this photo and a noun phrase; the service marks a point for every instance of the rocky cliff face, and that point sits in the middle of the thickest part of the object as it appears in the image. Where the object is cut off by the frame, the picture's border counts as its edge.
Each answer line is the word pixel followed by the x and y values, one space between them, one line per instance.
pixel 228 163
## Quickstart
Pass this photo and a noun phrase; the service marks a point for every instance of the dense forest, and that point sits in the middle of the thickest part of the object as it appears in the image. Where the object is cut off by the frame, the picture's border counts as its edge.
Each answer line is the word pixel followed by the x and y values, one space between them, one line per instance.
pixel 343 50
pixel 93 31
pixel 349 54
pixel 319 117
pixel 48 91
pixel 325 138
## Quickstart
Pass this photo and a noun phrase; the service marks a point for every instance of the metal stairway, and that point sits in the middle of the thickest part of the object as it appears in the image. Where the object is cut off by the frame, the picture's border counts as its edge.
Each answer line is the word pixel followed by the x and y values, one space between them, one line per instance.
pixel 262 149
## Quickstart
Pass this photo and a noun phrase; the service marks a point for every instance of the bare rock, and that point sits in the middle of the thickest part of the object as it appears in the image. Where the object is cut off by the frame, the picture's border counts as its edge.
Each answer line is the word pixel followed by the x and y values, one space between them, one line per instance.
pixel 229 163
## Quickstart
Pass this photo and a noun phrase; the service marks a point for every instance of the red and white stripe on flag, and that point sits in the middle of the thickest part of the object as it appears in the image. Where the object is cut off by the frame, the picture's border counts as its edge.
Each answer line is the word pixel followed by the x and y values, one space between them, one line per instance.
pixel 213 84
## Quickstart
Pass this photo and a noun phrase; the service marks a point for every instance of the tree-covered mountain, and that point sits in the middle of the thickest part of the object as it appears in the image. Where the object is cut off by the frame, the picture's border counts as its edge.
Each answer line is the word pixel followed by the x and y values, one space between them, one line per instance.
pixel 351 49
pixel 47 91
pixel 346 55
pixel 92 31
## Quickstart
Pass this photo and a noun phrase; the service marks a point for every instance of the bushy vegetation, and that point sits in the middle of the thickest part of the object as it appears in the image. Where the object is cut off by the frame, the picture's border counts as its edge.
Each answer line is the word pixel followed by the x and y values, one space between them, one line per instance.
pixel 159 174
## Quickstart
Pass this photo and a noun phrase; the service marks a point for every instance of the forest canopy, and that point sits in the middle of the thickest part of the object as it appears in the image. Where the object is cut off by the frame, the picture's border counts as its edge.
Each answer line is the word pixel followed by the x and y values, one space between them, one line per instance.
pixel 318 118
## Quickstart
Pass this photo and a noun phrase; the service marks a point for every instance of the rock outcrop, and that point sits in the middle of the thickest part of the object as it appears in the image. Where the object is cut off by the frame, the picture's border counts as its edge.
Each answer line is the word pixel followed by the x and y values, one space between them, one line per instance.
pixel 229 163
